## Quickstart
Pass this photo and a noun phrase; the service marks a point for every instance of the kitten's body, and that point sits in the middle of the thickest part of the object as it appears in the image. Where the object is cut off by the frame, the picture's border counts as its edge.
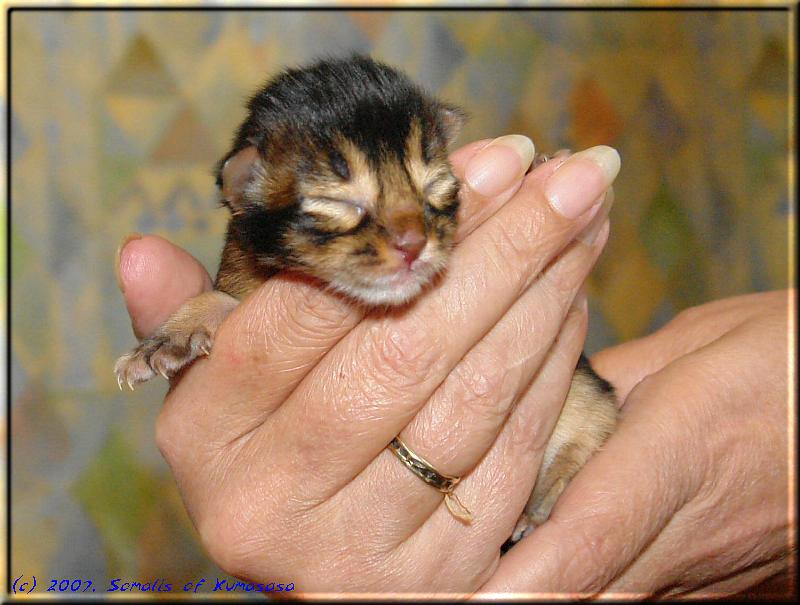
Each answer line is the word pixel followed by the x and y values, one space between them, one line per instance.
pixel 340 172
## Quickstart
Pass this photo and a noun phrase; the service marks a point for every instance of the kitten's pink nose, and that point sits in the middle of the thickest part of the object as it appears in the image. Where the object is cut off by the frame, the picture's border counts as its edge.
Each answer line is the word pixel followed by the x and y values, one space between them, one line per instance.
pixel 409 244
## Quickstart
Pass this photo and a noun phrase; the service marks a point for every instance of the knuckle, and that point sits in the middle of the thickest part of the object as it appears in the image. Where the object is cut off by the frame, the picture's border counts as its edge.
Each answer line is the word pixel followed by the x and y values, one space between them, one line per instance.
pixel 482 391
pixel 221 547
pixel 687 317
pixel 567 273
pixel 508 243
pixel 225 532
pixel 404 358
pixel 276 319
pixel 590 567
pixel 684 317
pixel 489 566
pixel 167 435
pixel 530 429
pixel 550 296
pixel 314 314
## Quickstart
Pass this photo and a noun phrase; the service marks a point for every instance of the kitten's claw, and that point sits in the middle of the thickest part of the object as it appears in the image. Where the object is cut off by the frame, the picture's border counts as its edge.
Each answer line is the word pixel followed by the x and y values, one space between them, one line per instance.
pixel 541 158
pixel 187 335
pixel 163 354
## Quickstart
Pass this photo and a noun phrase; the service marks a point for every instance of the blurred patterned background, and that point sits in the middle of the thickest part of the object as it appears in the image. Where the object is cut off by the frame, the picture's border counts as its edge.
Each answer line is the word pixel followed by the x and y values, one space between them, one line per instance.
pixel 118 117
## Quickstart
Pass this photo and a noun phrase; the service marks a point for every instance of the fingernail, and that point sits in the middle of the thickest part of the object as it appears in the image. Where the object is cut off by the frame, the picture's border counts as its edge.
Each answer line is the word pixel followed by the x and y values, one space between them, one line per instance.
pixel 498 165
pixel 571 189
pixel 589 234
pixel 118 258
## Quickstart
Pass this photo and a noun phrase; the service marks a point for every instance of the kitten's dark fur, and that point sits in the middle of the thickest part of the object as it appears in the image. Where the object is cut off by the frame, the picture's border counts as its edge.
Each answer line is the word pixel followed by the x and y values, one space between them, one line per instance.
pixel 340 171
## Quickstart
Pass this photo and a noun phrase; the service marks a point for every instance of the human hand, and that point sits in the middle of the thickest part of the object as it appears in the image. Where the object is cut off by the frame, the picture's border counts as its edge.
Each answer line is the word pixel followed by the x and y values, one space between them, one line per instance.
pixel 277 439
pixel 691 494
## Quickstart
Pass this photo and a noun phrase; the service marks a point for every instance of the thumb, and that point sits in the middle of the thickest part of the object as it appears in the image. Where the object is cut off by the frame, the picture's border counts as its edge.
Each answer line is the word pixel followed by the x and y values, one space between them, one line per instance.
pixel 156 278
pixel 629 363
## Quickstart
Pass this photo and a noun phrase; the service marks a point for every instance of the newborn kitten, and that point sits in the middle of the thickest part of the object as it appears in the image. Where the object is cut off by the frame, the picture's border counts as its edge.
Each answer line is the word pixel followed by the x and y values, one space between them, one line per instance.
pixel 340 172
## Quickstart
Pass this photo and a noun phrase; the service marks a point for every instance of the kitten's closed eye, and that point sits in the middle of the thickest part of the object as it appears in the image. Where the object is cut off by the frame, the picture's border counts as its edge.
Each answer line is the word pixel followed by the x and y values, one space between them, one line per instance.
pixel 334 215
pixel 339 165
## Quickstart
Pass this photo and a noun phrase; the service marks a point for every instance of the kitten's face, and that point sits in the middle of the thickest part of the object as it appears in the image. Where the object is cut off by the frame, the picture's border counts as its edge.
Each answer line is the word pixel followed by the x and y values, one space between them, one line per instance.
pixel 377 229
pixel 342 173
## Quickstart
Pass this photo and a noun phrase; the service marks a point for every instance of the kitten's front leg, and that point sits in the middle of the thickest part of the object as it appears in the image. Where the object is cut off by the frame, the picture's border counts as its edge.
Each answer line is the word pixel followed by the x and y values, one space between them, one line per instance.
pixel 186 335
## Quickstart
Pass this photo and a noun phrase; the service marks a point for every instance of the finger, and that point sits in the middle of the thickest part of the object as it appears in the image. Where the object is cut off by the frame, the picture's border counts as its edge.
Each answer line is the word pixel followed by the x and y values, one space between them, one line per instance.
pixel 627 364
pixel 506 160
pixel 383 506
pixel 499 487
pixel 473 401
pixel 461 156
pixel 156 277
pixel 467 411
pixel 387 367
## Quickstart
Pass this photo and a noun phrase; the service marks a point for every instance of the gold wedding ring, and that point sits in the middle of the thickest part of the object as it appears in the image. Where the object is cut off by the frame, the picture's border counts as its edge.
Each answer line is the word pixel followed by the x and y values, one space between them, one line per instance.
pixel 428 473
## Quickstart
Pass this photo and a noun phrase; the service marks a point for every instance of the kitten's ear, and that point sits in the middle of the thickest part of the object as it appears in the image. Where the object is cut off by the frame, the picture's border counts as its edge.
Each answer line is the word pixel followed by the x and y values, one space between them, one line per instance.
pixel 241 173
pixel 452 119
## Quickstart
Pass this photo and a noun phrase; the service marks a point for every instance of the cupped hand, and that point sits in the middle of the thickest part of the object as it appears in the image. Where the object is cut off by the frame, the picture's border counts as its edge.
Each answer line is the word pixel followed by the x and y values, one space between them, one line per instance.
pixel 278 439
pixel 691 494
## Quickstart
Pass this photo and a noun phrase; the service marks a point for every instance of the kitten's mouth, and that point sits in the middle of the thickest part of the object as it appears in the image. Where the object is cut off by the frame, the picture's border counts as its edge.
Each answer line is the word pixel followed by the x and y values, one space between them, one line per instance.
pixel 419 273
pixel 419 269
pixel 392 288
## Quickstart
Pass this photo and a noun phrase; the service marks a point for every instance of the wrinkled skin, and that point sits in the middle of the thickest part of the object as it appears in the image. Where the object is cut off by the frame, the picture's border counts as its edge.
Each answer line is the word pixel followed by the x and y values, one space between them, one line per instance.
pixel 689 496
pixel 277 439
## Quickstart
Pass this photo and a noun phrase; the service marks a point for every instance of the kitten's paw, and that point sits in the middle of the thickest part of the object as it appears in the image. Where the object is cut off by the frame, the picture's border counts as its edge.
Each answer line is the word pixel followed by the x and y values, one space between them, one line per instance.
pixel 523 528
pixel 539 506
pixel 187 335
pixel 164 354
